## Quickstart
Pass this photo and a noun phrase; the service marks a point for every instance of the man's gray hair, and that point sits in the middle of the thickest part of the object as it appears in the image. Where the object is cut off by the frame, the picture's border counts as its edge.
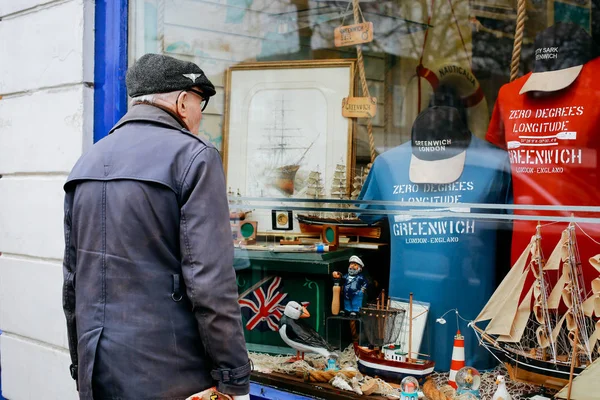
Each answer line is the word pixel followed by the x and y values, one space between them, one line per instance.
pixel 170 97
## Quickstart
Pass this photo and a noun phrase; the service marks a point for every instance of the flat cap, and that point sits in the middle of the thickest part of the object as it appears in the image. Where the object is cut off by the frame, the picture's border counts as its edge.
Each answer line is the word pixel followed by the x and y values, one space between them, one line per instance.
pixel 356 259
pixel 157 73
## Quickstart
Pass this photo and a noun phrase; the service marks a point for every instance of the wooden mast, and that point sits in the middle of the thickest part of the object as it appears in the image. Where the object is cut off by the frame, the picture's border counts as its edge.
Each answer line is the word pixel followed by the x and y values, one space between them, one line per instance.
pixel 573 362
pixel 410 327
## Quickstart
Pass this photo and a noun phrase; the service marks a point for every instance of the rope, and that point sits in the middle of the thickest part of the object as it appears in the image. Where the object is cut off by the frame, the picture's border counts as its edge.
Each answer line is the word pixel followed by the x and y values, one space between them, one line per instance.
pixel 460 35
pixel 363 79
pixel 426 32
pixel 421 58
pixel 388 112
pixel 324 376
pixel 311 370
pixel 354 331
pixel 516 56
pixel 586 234
pixel 431 391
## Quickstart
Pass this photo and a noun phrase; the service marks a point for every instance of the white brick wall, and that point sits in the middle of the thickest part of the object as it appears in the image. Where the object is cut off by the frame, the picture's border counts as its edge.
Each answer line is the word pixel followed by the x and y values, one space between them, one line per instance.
pixel 55 129
pixel 33 370
pixel 31 216
pixel 46 117
pixel 48 51
pixel 36 286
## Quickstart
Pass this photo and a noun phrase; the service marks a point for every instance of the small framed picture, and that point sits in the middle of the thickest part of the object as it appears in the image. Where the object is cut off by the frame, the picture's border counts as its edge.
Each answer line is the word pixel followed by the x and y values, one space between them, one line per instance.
pixel 281 220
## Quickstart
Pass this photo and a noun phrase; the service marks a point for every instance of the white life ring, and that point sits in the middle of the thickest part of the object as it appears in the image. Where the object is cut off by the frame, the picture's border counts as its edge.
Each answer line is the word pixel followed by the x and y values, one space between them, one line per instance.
pixel 459 78
pixel 467 86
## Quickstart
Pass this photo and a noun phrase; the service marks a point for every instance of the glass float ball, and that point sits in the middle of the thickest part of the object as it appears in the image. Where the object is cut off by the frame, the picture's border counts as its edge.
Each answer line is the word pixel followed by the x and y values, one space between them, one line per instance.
pixel 409 385
pixel 468 378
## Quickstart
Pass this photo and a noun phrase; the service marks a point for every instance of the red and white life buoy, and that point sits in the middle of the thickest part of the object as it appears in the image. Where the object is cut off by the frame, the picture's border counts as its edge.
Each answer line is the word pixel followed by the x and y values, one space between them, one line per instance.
pixel 458 77
pixel 467 87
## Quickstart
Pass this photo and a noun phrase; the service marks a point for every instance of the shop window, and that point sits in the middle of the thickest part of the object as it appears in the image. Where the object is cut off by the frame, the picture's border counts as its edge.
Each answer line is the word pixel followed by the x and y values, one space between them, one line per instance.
pixel 429 150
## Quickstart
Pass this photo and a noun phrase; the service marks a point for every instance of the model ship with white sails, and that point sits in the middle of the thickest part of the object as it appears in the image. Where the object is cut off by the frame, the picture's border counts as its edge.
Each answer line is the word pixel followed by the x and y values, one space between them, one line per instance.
pixel 315 190
pixel 357 183
pixel 342 214
pixel 238 210
pixel 540 329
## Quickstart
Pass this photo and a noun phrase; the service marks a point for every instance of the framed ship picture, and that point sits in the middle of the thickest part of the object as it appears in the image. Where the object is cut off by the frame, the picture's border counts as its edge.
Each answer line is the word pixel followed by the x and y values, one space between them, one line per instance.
pixel 283 128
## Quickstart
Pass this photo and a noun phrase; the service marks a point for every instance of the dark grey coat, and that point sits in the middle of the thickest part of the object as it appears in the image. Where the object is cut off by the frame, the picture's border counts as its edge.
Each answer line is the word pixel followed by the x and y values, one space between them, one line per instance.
pixel 147 224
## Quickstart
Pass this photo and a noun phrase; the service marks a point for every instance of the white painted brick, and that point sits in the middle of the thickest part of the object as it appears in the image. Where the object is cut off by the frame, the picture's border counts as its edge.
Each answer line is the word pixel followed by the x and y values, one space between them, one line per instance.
pixel 88 119
pixel 31 216
pixel 49 140
pixel 89 11
pixel 44 49
pixel 13 6
pixel 32 307
pixel 32 371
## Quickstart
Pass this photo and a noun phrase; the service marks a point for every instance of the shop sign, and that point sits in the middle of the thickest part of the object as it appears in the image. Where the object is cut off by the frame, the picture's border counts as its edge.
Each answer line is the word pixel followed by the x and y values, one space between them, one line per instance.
pixel 359 107
pixel 353 34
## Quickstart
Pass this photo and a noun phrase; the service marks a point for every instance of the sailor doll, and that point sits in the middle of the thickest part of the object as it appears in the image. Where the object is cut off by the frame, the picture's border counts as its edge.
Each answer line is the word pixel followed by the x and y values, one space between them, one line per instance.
pixel 355 286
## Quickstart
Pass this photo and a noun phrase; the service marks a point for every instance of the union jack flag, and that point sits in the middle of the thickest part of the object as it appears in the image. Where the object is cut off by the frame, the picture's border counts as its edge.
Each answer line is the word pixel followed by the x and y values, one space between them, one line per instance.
pixel 262 305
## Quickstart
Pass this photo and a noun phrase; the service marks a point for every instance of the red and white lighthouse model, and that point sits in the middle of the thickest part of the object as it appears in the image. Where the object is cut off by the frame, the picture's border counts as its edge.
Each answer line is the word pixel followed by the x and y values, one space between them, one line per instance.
pixel 458 358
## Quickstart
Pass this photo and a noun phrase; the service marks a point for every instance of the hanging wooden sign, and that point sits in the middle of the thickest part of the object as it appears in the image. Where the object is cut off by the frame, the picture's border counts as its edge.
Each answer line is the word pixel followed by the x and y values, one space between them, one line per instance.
pixel 353 34
pixel 359 107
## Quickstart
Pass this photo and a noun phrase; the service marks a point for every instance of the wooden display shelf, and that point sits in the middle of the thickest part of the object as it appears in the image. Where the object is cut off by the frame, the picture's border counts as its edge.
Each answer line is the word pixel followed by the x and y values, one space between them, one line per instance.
pixel 302 277
pixel 296 385
pixel 307 263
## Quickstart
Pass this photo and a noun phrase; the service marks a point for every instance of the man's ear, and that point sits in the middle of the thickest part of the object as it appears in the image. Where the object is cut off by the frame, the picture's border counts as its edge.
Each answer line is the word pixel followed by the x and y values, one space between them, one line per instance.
pixel 181 104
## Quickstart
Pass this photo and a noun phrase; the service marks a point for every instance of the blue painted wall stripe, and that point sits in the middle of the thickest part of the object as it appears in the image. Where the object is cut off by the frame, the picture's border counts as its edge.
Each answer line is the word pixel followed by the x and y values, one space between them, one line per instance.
pixel 110 64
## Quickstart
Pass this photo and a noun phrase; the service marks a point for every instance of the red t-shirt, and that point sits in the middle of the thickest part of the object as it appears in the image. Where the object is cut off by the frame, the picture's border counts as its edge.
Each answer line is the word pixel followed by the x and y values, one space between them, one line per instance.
pixel 554 150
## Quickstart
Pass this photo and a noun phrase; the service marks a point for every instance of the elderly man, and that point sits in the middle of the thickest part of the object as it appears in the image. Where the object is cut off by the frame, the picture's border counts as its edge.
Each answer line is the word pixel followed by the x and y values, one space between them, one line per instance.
pixel 149 287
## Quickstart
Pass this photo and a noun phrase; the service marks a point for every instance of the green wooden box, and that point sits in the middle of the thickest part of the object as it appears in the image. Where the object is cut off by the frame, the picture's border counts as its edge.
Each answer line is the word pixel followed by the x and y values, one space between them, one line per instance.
pixel 268 280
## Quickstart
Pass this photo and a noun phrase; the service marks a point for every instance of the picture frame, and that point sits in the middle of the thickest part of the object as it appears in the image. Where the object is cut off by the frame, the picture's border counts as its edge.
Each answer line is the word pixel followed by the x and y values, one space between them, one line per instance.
pixel 420 315
pixel 282 122
pixel 281 220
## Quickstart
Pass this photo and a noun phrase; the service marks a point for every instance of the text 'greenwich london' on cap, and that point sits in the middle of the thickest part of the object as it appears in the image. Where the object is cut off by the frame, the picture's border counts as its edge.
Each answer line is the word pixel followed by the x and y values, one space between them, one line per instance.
pixel 157 73
pixel 439 142
pixel 560 52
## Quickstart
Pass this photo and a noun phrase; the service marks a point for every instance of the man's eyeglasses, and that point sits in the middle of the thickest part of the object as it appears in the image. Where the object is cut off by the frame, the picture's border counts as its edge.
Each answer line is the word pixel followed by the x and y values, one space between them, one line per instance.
pixel 204 101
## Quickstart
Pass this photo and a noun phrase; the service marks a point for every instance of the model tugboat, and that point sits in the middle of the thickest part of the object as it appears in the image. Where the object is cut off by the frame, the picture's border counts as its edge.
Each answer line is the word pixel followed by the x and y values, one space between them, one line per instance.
pixel 541 331
pixel 385 357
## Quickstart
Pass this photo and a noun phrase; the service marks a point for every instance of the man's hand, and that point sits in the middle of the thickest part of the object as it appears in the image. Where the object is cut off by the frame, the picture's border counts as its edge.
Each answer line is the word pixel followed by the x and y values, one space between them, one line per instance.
pixel 210 394
pixel 214 394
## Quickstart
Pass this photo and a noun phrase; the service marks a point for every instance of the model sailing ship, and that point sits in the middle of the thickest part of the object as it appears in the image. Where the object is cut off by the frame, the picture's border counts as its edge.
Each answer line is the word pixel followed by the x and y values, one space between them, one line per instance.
pixel 284 157
pixel 348 222
pixel 385 357
pixel 315 190
pixel 540 330
pixel 238 210
pixel 358 182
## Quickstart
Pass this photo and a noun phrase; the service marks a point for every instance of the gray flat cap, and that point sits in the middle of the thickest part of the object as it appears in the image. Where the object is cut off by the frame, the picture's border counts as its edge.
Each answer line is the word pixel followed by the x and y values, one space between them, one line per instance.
pixel 157 73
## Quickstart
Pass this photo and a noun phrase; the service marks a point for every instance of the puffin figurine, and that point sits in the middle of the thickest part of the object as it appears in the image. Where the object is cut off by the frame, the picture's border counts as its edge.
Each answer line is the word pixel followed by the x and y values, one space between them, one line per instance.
pixel 501 392
pixel 299 335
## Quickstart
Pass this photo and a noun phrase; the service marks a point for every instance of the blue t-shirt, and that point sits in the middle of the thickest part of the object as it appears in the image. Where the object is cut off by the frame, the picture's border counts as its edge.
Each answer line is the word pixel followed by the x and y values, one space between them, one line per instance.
pixel 448 262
